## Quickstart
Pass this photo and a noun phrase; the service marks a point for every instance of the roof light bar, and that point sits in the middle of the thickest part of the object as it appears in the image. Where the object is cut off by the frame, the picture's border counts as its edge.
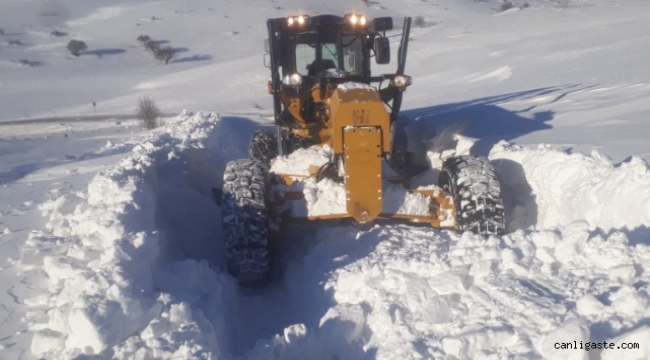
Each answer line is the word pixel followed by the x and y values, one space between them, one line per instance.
pixel 356 19
pixel 298 20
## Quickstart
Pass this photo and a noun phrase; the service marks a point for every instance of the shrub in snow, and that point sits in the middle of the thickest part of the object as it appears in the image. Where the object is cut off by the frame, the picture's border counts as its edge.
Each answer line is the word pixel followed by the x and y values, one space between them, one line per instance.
pixel 15 42
pixel 419 21
pixel 143 39
pixel 148 113
pixel 2 32
pixel 76 47
pixel 165 54
pixel 151 46
pixel 25 62
pixel 506 5
pixel 366 2
pixel 57 33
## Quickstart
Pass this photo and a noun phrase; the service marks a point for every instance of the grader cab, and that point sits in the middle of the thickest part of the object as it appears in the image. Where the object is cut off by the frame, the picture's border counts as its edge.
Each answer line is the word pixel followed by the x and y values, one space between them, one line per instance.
pixel 333 155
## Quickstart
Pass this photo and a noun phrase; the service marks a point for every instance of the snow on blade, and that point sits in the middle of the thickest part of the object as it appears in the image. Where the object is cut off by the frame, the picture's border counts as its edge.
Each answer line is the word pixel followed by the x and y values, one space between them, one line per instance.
pixel 298 162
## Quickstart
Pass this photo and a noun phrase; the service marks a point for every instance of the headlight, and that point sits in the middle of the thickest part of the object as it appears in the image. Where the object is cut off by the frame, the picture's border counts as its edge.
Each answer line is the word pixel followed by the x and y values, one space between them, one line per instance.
pixel 299 20
pixel 402 81
pixel 292 80
pixel 356 19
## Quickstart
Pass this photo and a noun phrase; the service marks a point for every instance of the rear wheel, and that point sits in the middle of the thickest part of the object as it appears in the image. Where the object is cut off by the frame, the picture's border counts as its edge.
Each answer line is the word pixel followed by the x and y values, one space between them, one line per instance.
pixel 244 217
pixel 263 146
pixel 473 184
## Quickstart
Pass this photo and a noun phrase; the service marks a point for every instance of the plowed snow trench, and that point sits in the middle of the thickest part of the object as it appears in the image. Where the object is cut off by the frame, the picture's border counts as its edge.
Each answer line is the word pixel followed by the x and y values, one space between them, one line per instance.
pixel 137 269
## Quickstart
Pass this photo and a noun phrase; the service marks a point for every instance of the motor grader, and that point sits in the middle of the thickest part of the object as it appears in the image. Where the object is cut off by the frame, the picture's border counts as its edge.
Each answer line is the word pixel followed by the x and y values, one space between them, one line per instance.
pixel 327 101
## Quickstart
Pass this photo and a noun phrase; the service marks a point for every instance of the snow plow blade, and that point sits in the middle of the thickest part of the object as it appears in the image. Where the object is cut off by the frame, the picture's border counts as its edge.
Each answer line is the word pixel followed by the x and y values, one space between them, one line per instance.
pixel 289 203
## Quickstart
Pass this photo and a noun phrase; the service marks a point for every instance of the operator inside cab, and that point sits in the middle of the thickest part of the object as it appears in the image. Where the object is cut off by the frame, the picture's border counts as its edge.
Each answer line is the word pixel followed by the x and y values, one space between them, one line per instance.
pixel 321 59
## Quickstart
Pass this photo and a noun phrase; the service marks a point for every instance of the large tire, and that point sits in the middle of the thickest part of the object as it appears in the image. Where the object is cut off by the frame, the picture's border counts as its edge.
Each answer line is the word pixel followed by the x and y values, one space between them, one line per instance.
pixel 473 184
pixel 244 218
pixel 263 146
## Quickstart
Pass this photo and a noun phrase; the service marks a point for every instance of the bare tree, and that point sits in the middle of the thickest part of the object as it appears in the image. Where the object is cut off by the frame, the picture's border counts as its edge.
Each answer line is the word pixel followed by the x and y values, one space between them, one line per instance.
pixel 76 47
pixel 143 39
pixel 148 113
pixel 419 21
pixel 151 46
pixel 165 54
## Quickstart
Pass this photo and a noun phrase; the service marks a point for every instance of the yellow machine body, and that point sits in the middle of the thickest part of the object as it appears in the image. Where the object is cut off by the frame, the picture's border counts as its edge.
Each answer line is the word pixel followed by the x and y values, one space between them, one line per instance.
pixel 353 121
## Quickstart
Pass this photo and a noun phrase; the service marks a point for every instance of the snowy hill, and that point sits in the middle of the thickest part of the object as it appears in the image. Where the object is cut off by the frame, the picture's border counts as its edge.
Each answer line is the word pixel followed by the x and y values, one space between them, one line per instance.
pixel 127 262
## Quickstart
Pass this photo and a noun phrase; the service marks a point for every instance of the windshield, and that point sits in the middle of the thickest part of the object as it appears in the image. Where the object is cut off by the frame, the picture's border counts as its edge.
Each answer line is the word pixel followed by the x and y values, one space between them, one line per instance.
pixel 352 54
pixel 352 59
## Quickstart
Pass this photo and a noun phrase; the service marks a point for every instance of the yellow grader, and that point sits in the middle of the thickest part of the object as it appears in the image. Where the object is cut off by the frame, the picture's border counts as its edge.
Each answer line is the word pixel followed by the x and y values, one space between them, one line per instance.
pixel 327 110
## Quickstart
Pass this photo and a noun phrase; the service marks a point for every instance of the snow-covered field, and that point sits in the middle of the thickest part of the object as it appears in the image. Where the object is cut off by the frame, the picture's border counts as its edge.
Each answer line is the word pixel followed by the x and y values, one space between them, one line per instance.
pixel 127 260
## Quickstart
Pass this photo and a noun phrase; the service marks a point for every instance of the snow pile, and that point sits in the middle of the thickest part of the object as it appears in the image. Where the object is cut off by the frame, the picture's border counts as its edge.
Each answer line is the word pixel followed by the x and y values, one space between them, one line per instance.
pixel 549 188
pixel 398 200
pixel 300 161
pixel 352 85
pixel 135 265
pixel 112 290
pixel 326 197
pixel 399 292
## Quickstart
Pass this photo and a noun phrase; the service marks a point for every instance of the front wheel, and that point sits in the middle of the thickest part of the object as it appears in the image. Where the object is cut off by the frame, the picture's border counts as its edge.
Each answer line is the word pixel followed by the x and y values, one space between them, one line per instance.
pixel 244 218
pixel 472 182
pixel 263 146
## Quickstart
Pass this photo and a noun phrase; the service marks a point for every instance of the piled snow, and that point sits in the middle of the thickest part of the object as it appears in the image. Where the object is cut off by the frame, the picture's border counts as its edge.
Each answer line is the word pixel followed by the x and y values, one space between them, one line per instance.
pixel 110 289
pixel 328 197
pixel 404 293
pixel 124 257
pixel 351 85
pixel 398 200
pixel 549 188
pixel 135 265
pixel 299 162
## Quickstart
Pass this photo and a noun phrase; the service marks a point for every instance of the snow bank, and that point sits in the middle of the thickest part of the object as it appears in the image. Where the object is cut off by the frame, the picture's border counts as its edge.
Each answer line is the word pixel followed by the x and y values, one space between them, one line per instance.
pixel 398 292
pixel 549 188
pixel 135 266
pixel 113 290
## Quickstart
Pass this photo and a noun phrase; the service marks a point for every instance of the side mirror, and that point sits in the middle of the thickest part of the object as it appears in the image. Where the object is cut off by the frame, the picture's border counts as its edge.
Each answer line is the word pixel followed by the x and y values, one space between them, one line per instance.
pixel 267 46
pixel 382 23
pixel 382 50
pixel 267 60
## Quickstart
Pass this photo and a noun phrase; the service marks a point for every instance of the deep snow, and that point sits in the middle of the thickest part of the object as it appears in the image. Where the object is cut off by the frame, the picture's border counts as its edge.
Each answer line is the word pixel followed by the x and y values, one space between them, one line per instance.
pixel 129 274
pixel 127 262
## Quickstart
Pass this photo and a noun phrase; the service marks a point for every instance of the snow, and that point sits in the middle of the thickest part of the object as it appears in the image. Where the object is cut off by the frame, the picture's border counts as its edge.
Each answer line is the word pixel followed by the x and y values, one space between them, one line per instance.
pixel 355 86
pixel 397 200
pixel 570 187
pixel 128 261
pixel 299 162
